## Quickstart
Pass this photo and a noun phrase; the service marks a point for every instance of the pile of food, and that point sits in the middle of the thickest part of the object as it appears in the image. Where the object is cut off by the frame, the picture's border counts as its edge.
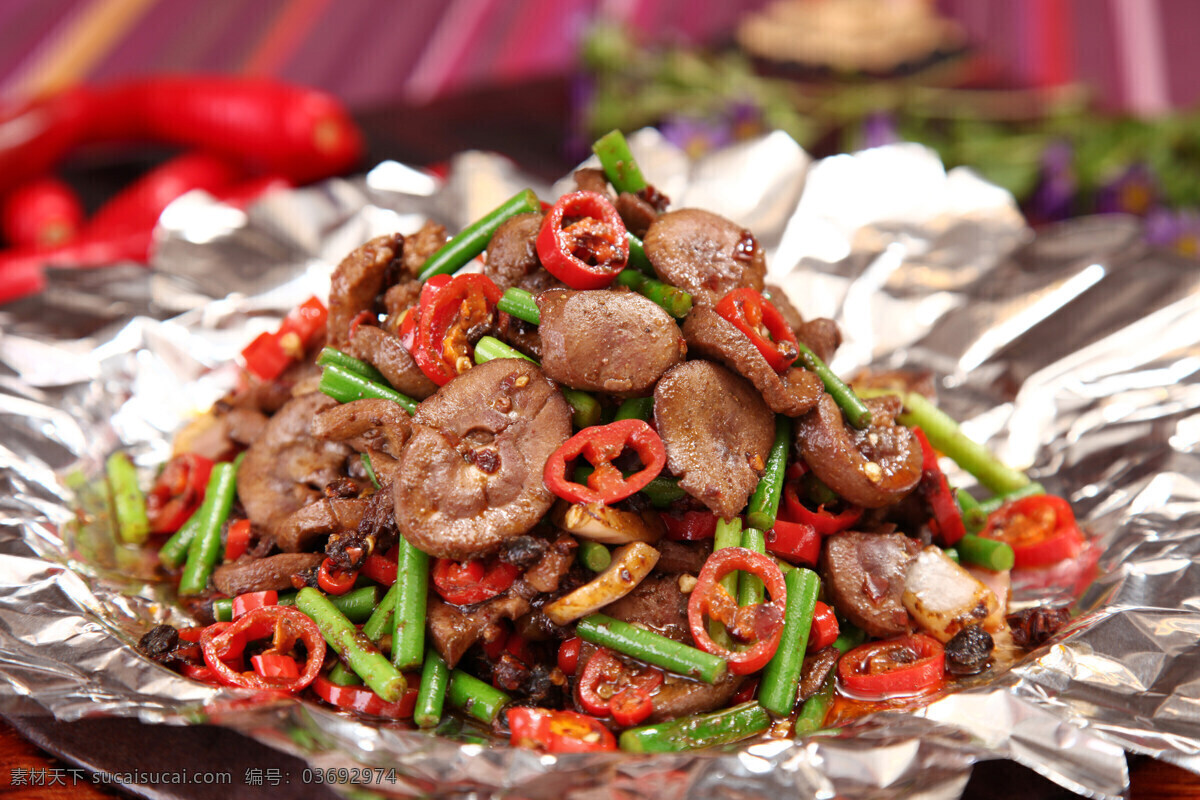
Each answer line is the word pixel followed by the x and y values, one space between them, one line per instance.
pixel 599 489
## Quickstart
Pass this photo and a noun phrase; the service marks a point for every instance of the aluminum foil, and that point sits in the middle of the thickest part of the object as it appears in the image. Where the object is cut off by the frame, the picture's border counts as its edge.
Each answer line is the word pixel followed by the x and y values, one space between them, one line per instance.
pixel 1074 354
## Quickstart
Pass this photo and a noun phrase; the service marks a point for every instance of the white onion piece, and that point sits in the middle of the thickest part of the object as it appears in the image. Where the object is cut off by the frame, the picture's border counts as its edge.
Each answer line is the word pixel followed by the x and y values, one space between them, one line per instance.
pixel 943 598
pixel 607 525
pixel 630 565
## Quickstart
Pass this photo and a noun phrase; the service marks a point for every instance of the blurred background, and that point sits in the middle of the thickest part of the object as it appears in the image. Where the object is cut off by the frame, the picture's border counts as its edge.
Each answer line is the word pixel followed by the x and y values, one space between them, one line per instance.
pixel 1076 106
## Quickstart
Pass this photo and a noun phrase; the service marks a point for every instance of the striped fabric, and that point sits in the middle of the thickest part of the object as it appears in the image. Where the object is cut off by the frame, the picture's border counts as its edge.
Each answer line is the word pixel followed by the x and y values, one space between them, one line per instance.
pixel 1141 54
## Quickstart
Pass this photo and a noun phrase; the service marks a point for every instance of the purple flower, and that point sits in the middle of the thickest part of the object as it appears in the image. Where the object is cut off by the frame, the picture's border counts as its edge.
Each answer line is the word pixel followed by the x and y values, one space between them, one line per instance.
pixel 1134 191
pixel 1174 230
pixel 878 129
pixel 697 135
pixel 1053 199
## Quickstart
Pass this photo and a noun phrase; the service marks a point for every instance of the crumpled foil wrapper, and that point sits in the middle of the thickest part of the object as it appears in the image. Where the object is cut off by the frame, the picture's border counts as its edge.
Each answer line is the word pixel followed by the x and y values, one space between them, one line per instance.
pixel 1074 354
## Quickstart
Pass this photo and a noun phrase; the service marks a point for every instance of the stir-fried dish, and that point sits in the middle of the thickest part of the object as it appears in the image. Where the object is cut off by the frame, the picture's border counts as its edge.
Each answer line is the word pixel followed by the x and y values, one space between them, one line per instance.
pixel 579 473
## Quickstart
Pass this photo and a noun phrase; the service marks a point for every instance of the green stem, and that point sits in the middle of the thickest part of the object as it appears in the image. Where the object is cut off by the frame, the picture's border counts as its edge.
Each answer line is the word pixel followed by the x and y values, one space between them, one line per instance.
pixel 751 591
pixel 408 623
pixel 728 534
pixel 354 648
pixel 637 256
pixel 481 700
pixel 205 548
pixel 431 697
pixel 128 502
pixel 619 165
pixel 781 678
pixel 674 301
pixel 764 503
pixel 357 604
pixel 380 621
pixel 370 470
pixel 856 412
pixel 986 553
pixel 520 304
pixel 945 435
pixel 973 519
pixel 175 550
pixel 636 408
pixel 594 556
pixel 342 676
pixel 650 647
pixel 816 708
pixel 331 357
pixel 345 386
pixel 993 504
pixel 702 730
pixel 474 238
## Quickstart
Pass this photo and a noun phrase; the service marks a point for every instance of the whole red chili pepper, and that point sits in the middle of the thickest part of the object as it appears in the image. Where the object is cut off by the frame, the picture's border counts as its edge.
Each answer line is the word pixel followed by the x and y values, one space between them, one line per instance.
pixel 140 204
pixel 37 135
pixel 298 132
pixel 22 269
pixel 43 213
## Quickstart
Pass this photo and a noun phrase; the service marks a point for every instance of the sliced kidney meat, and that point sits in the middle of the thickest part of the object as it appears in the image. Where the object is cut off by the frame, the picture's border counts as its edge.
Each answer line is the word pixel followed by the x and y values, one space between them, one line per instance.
pixel 709 334
pixel 471 475
pixel 704 254
pixel 871 468
pixel 606 341
pixel 864 575
pixel 717 431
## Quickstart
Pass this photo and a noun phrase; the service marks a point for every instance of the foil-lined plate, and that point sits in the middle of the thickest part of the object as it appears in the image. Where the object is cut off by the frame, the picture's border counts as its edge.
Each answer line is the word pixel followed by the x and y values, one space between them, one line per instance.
pixel 1073 354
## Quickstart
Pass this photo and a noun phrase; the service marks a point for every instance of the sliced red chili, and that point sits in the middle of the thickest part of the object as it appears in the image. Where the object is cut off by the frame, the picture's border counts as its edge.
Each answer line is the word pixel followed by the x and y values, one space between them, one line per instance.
pixel 1040 529
pixel 824 630
pixel 558 731
pixel 365 701
pixel 824 522
pixel 760 626
pixel 794 542
pixel 601 445
pixel 449 316
pixel 583 241
pixel 380 569
pixel 568 655
pixel 947 522
pixel 245 603
pixel 273 666
pixel 271 353
pixel 463 583
pixel 905 665
pixel 690 526
pixel 608 686
pixel 760 320
pixel 177 492
pixel 237 539
pixel 285 626
pixel 334 580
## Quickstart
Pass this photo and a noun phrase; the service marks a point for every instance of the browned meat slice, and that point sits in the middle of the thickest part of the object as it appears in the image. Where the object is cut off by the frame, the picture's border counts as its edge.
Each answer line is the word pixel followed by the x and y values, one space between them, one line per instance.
pixel 273 573
pixel 604 341
pixel 471 475
pixel 398 299
pixel 540 280
pixel 286 468
pixel 657 604
pixel 682 697
pixel 376 532
pixel 590 179
pixel 821 335
pixel 384 351
pixel 366 425
pixel 244 424
pixel 357 283
pixel 872 468
pixel 452 630
pixel 299 530
pixel 704 254
pixel 677 557
pixel 512 251
pixel 554 563
pixel 421 245
pixel 636 213
pixel 521 335
pixel 816 669
pixel 864 575
pixel 717 431
pixel 709 334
